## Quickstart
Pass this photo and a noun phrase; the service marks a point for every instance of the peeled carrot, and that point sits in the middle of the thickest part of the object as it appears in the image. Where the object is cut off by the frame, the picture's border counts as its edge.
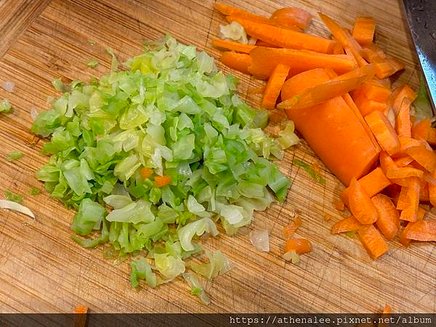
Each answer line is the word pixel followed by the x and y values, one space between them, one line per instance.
pixel 360 204
pixel 292 16
pixel 232 45
pixel 425 157
pixel 237 61
pixel 399 94
pixel 367 106
pixel 228 10
pixel 373 183
pixel 335 119
pixel 422 130
pixel 421 230
pixel 383 132
pixel 373 241
pixel 373 90
pixel 161 181
pixel 408 142
pixel 146 172
pixel 363 30
pixel 337 86
pixel 290 229
pixel 299 245
pixel 432 191
pixel 265 59
pixel 285 37
pixel 274 85
pixel 410 210
pixel 344 38
pixel 349 224
pixel 388 221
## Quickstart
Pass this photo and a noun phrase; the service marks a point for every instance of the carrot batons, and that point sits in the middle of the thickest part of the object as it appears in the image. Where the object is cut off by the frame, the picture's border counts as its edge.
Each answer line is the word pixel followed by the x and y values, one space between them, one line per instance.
pixel 421 230
pixel 285 37
pixel 299 245
pixel 360 204
pixel 228 10
pixel 292 16
pixel 274 85
pixel 388 221
pixel 363 30
pixel 349 224
pixel 237 61
pixel 373 241
pixel 232 45
pixel 383 132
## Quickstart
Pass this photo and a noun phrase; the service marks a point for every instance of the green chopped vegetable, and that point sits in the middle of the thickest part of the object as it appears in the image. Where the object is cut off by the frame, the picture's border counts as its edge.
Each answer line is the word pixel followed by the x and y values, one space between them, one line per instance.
pixel 11 196
pixel 35 191
pixel 422 103
pixel 196 287
pixel 309 169
pixel 173 112
pixel 93 63
pixel 5 106
pixel 14 155
pixel 58 85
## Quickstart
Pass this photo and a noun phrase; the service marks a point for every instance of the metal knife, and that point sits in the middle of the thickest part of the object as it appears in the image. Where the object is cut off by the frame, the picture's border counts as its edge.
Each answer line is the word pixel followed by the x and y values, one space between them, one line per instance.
pixel 421 17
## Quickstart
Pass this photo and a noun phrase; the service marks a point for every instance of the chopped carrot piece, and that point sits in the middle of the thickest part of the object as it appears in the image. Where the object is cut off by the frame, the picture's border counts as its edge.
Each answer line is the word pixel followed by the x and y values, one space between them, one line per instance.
pixel 403 124
pixel 292 16
pixel 161 181
pixel 399 94
pixel 349 224
pixel 410 211
pixel 403 161
pixel 408 142
pixel 432 191
pixel 402 237
pixel 422 130
pixel 80 315
pixel 146 172
pixel 232 45
pixel 425 157
pixel 339 205
pixel 274 86
pixel 228 10
pixel 388 221
pixel 421 230
pixel 237 61
pixel 373 241
pixel 299 245
pixel 290 229
pixel 344 37
pixel 387 309
pixel 360 204
pixel 383 132
pixel 373 90
pixel 285 37
pixel 373 183
pixel 421 213
pixel 367 106
pixel 265 59
pixel 363 30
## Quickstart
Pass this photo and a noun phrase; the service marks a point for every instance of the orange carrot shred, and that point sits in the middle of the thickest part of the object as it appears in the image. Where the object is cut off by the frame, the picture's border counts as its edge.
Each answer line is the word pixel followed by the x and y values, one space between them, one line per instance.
pixel 372 241
pixel 348 224
pixel 291 16
pixel 363 30
pixel 237 61
pixel 383 132
pixel 299 245
pixel 388 221
pixel 360 204
pixel 421 230
pixel 232 45
pixel 228 10
pixel 274 86
pixel 161 181
pixel 290 229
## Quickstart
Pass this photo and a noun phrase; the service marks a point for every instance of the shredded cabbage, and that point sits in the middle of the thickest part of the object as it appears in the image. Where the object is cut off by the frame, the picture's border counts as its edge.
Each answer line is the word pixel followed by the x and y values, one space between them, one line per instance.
pixel 172 112
pixel 5 106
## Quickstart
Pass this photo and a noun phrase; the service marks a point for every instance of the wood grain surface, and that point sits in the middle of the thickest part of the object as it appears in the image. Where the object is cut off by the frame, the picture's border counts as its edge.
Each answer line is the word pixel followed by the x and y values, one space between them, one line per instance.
pixel 43 270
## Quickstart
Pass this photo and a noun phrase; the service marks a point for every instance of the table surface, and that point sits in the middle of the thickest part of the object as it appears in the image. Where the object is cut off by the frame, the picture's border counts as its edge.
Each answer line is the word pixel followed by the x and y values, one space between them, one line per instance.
pixel 43 270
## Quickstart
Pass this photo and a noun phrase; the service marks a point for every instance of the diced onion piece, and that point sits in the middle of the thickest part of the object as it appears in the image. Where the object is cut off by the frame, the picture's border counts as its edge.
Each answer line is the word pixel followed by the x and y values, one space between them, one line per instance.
pixel 11 205
pixel 260 240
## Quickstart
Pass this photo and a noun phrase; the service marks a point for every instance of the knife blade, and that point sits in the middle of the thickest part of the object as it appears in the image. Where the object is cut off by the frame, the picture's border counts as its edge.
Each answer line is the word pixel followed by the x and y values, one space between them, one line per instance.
pixel 420 16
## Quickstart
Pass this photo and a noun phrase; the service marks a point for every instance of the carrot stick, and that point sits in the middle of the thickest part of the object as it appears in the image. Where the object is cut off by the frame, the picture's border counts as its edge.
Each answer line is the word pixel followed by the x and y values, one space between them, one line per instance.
pixel 373 183
pixel 290 229
pixel 348 159
pixel 363 30
pixel 237 61
pixel 403 124
pixel 383 132
pixel 360 204
pixel 274 86
pixel 367 106
pixel 232 45
pixel 421 230
pixel 344 38
pixel 373 90
pixel 432 191
pixel 410 211
pixel 265 59
pixel 408 142
pixel 285 37
pixel 299 245
pixel 425 157
pixel 373 241
pixel 161 181
pixel 292 16
pixel 228 10
pixel 399 94
pixel 349 224
pixel 336 87
pixel 422 130
pixel 388 221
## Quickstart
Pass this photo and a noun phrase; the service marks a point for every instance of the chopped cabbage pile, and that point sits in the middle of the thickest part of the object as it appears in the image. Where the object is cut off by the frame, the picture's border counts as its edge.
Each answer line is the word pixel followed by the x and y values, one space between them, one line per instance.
pixel 169 110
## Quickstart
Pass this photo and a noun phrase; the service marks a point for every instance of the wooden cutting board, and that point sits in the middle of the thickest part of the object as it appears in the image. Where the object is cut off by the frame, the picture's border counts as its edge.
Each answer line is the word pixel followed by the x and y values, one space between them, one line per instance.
pixel 43 270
